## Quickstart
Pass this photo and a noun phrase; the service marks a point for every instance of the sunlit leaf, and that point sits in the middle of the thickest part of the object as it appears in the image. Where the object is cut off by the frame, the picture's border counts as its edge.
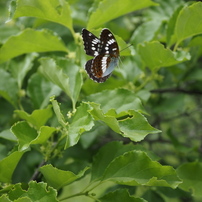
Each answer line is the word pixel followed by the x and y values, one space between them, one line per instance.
pixel 35 192
pixel 164 58
pixel 136 168
pixel 40 90
pixel 184 25
pixel 10 90
pixel 69 79
pixel 115 8
pixel 118 99
pixel 81 122
pixel 120 196
pixel 38 117
pixel 54 10
pixel 42 41
pixel 10 162
pixel 191 175
pixel 61 177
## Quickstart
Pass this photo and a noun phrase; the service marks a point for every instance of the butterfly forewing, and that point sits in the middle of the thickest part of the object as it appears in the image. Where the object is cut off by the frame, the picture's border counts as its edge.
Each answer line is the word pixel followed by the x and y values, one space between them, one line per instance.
pixel 91 43
pixel 108 43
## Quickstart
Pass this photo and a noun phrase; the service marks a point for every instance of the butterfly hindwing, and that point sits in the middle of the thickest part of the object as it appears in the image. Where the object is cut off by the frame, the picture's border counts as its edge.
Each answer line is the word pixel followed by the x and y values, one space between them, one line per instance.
pixel 93 70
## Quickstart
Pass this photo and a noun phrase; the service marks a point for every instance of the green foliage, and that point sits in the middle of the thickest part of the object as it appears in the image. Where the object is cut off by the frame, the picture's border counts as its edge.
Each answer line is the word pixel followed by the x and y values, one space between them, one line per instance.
pixel 135 137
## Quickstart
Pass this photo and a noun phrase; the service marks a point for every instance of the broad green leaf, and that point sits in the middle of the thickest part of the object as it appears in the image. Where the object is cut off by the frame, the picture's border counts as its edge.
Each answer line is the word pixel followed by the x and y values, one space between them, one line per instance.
pixel 129 124
pixel 16 192
pixel 10 90
pixel 136 168
pixel 24 133
pixel 61 177
pixel 4 198
pixel 27 135
pixel 189 22
pixel 191 175
pixel 69 81
pixel 75 77
pixel 103 158
pixel 81 122
pixel 8 165
pixel 136 126
pixel 98 114
pixel 35 192
pixel 55 10
pixel 145 32
pixel 170 35
pixel 164 58
pixel 40 90
pixel 8 135
pixel 120 195
pixel 19 69
pixel 118 99
pixel 43 135
pixel 115 8
pixel 38 117
pixel 41 41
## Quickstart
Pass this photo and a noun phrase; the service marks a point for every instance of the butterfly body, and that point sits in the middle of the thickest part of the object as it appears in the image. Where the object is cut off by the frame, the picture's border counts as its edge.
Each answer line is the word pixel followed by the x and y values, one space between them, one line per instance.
pixel 105 51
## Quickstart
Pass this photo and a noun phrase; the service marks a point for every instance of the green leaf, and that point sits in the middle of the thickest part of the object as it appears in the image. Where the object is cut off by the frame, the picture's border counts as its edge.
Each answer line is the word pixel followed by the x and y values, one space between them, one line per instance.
pixel 10 90
pixel 115 8
pixel 8 135
pixel 54 10
pixel 164 58
pixel 129 124
pixel 145 32
pixel 19 69
pixel 27 135
pixel 81 122
pixel 136 126
pixel 61 177
pixel 136 168
pixel 75 77
pixel 4 198
pixel 35 192
pixel 70 82
pixel 8 165
pixel 40 90
pixel 120 196
pixel 41 41
pixel 191 175
pixel 38 117
pixel 24 133
pixel 184 25
pixel 58 113
pixel 118 99
pixel 103 158
pixel 98 114
pixel 170 35
pixel 43 135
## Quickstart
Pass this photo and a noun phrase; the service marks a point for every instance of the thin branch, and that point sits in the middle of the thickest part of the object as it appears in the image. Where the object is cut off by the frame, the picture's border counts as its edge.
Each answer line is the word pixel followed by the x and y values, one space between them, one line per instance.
pixel 36 173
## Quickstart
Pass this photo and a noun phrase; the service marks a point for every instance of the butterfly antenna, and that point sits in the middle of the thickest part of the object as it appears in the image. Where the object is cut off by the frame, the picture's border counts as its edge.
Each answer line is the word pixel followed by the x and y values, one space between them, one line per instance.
pixel 126 47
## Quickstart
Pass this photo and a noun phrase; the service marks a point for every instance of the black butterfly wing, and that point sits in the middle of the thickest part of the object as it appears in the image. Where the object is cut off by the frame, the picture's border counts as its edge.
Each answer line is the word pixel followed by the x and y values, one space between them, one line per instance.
pixel 109 44
pixel 92 44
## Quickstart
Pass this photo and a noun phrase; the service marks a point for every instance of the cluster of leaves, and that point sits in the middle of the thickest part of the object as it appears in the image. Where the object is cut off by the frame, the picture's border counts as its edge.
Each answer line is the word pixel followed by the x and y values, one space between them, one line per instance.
pixel 58 127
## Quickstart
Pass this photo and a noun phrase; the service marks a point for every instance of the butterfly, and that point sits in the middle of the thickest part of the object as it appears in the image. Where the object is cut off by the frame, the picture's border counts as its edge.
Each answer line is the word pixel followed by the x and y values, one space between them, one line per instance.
pixel 105 51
